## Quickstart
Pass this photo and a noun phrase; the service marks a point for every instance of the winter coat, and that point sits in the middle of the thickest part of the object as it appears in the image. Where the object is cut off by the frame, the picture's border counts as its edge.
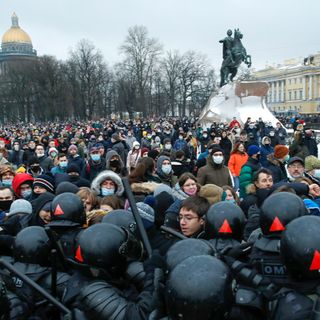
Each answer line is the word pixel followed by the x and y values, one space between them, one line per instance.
pixel 299 149
pixel 133 158
pixel 92 169
pixel 46 163
pixel 104 175
pixel 76 160
pixel 214 174
pixel 265 150
pixel 18 180
pixel 281 134
pixel 312 146
pixel 226 145
pixel 121 169
pixel 120 148
pixel 277 168
pixel 246 175
pixel 236 162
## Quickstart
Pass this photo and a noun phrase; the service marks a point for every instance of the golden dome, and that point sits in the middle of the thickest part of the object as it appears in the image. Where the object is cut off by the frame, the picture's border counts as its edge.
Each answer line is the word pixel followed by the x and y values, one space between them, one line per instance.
pixel 15 33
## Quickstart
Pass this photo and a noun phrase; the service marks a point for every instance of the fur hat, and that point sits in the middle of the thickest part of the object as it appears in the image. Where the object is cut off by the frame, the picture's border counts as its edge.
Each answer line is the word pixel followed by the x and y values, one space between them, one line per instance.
pixel 211 192
pixel 280 151
pixel 311 162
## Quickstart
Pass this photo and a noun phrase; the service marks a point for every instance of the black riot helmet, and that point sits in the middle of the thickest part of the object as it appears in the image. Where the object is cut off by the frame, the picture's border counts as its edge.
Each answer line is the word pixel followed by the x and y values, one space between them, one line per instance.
pixel 186 248
pixel 32 245
pixel 122 218
pixel 278 210
pixel 106 246
pixel 198 288
pixel 300 248
pixel 224 220
pixel 67 209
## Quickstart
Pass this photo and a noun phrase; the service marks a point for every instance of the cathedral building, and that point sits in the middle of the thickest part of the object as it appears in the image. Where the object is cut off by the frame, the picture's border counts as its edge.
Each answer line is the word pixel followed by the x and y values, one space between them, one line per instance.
pixel 16 46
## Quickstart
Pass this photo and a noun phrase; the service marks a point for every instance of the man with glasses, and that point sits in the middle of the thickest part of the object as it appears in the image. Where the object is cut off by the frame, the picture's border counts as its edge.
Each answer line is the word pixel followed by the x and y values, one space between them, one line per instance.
pixel 295 168
pixel 191 216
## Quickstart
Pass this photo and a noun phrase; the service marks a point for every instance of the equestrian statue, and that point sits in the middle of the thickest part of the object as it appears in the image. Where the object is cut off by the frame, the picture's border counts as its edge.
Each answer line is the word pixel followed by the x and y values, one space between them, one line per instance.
pixel 233 54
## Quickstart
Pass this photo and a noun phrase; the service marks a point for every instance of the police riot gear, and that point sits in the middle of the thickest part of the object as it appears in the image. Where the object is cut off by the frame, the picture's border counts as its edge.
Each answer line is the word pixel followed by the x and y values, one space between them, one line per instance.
pixel 198 288
pixel 278 210
pixel 224 220
pixel 186 248
pixel 67 210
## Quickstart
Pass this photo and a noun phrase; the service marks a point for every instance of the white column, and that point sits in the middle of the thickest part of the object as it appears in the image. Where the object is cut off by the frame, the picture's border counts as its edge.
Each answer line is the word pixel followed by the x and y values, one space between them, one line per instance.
pixel 304 88
pixel 282 90
pixel 272 92
pixel 310 87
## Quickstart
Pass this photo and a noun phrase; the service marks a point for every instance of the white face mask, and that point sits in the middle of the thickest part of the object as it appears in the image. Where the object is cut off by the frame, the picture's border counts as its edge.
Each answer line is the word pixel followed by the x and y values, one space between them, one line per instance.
pixel 167 146
pixel 317 173
pixel 166 168
pixel 217 159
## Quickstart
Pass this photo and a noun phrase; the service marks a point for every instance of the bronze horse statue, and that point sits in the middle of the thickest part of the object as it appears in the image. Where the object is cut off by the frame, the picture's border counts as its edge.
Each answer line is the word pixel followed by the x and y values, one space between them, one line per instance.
pixel 232 61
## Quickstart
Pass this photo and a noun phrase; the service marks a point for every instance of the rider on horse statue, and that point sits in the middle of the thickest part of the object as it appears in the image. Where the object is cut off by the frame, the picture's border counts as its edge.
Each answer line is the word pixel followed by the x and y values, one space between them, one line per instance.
pixel 233 54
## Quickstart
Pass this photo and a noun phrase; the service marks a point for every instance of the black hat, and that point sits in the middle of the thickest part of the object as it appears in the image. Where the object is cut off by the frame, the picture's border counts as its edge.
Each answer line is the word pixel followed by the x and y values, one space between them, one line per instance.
pixel 295 159
pixel 66 186
pixel 73 168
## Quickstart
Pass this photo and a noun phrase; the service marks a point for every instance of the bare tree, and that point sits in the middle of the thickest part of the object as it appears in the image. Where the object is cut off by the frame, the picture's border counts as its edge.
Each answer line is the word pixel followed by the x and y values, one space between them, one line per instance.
pixel 140 56
pixel 89 70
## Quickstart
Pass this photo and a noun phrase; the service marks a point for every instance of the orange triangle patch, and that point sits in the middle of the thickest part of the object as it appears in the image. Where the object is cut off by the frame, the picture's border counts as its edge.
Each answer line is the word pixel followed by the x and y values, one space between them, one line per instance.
pixel 315 264
pixel 225 228
pixel 79 254
pixel 276 225
pixel 58 211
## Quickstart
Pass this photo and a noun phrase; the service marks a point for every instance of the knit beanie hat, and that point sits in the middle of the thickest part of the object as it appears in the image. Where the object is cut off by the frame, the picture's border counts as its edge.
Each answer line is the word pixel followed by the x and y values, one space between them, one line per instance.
pixel 280 151
pixel 20 206
pixel 211 192
pixel 66 186
pixel 311 162
pixel 253 149
pixel 73 147
pixel 146 214
pixel 44 181
pixel 215 148
pixel 52 150
pixel 73 168
pixel 144 150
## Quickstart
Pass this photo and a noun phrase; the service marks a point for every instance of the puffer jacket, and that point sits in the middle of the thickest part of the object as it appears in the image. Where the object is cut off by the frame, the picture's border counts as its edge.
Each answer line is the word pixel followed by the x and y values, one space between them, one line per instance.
pixel 236 162
pixel 246 175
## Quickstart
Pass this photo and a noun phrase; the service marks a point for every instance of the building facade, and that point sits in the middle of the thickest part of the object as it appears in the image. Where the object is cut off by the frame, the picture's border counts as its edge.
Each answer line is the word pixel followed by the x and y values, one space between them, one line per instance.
pixel 294 86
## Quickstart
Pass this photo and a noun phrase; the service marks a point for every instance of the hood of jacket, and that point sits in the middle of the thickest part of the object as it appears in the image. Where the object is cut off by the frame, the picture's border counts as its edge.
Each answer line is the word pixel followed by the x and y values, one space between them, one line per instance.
pixel 109 155
pixel 104 175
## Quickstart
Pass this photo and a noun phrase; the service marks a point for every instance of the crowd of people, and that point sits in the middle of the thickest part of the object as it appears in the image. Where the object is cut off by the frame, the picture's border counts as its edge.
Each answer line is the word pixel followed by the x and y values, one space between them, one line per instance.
pixel 159 219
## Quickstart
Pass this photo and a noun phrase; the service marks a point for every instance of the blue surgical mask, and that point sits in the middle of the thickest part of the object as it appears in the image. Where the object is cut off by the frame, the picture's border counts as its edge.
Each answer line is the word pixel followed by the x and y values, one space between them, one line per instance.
pixel 26 193
pixel 7 183
pixel 95 157
pixel 166 168
pixel 232 201
pixel 107 192
pixel 63 164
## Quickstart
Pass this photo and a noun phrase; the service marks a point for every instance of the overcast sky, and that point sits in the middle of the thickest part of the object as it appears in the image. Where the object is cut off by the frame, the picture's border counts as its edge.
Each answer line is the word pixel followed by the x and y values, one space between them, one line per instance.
pixel 273 30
